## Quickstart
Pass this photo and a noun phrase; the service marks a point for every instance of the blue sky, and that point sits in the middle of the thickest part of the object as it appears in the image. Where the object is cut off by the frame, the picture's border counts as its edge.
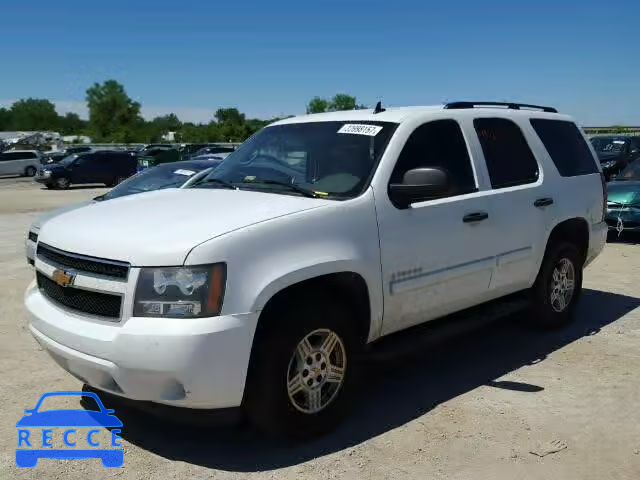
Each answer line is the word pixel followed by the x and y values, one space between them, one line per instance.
pixel 269 58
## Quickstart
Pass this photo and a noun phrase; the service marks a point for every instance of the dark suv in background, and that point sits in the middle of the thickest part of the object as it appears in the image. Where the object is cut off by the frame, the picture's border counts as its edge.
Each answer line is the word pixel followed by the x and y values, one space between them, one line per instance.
pixel 105 167
pixel 615 152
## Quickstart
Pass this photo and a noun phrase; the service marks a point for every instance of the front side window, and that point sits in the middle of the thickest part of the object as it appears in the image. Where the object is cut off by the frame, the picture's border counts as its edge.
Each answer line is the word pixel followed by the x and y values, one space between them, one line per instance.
pixel 509 159
pixel 325 159
pixel 438 144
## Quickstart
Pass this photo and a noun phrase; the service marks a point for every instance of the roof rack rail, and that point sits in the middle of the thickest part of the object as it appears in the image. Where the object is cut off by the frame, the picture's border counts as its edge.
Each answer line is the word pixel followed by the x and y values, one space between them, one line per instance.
pixel 510 105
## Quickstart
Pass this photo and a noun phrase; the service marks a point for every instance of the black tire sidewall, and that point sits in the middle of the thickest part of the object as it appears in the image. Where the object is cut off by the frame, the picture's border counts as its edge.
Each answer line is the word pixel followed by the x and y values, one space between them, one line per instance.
pixel 30 171
pixel 267 402
pixel 62 183
pixel 543 314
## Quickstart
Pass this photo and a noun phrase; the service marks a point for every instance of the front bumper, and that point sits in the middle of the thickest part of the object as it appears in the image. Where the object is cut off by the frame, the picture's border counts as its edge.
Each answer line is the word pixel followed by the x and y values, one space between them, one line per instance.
pixel 194 363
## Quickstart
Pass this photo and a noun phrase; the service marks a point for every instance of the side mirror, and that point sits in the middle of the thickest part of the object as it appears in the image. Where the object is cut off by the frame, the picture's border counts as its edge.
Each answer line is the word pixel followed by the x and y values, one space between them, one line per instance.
pixel 419 184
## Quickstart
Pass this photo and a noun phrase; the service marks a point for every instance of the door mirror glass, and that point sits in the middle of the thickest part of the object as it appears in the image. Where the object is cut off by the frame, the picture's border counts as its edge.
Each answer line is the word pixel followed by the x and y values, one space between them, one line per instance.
pixel 420 184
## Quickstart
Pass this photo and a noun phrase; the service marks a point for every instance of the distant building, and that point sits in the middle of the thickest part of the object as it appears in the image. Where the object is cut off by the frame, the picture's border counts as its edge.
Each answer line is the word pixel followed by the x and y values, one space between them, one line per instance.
pixel 169 137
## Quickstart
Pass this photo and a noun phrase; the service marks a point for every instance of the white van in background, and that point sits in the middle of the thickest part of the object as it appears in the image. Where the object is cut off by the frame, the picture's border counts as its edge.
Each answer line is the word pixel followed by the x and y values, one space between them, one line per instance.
pixel 20 162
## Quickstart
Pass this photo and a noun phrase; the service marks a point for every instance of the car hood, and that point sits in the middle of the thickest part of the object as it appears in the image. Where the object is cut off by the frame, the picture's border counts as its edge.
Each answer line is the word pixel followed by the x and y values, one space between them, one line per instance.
pixel 38 222
pixel 160 228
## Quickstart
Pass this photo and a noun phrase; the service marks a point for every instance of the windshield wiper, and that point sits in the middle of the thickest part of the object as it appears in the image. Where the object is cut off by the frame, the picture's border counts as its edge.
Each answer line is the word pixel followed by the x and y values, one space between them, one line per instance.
pixel 290 186
pixel 217 181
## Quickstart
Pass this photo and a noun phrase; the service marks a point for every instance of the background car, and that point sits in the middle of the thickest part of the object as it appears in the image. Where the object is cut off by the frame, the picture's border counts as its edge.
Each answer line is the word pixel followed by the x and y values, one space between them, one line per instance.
pixel 211 156
pixel 107 167
pixel 623 201
pixel 209 149
pixel 20 162
pixel 615 152
pixel 56 156
pixel 174 175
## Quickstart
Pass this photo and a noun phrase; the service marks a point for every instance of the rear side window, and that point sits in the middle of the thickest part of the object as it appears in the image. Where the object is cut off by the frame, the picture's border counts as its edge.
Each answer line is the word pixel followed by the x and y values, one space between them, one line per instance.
pixel 509 159
pixel 566 146
pixel 438 144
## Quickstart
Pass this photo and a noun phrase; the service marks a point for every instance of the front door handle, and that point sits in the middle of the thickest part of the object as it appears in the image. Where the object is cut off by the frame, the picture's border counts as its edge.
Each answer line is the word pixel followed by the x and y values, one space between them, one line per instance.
pixel 543 202
pixel 475 217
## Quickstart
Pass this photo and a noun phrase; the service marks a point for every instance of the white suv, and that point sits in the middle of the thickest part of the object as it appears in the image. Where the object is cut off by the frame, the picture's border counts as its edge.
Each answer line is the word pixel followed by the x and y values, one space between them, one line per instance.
pixel 258 287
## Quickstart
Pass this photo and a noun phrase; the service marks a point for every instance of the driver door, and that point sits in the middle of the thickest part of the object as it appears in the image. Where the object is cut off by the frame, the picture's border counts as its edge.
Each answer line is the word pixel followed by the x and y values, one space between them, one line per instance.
pixel 437 255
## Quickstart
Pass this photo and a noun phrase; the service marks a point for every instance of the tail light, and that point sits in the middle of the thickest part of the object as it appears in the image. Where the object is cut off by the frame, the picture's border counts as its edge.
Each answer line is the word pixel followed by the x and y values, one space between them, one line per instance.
pixel 604 195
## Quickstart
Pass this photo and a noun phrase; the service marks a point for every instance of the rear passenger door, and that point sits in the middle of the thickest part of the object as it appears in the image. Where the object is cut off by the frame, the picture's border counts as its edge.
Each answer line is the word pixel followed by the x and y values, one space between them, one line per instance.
pixel 521 205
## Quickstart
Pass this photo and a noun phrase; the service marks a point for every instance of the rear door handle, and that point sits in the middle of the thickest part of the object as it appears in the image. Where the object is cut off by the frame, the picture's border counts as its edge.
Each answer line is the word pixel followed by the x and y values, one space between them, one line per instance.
pixel 543 202
pixel 475 217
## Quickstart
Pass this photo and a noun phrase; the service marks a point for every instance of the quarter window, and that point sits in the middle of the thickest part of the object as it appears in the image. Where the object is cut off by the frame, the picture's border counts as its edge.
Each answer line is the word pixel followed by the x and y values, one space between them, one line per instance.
pixel 509 159
pixel 566 146
pixel 438 144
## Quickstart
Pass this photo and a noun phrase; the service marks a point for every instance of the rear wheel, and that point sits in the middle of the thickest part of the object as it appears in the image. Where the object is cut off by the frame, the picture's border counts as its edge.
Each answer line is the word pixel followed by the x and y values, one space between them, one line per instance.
pixel 558 286
pixel 62 183
pixel 302 370
pixel 30 172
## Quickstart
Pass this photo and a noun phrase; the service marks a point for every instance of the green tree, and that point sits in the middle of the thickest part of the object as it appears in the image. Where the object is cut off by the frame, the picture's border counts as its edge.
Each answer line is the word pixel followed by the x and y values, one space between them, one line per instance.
pixel 230 116
pixel 71 124
pixel 5 119
pixel 317 105
pixel 113 116
pixel 342 101
pixel 33 114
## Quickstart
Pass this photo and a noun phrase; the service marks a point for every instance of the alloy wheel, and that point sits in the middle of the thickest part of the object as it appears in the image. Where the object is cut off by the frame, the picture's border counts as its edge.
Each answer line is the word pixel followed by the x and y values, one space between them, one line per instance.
pixel 316 371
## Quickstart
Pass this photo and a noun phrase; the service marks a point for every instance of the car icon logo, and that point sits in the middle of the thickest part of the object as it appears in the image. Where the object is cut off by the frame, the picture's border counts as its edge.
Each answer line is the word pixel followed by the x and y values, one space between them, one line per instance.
pixel 28 453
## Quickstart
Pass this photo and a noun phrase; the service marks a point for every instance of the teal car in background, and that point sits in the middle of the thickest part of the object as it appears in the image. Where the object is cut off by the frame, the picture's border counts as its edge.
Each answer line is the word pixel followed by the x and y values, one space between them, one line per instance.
pixel 623 201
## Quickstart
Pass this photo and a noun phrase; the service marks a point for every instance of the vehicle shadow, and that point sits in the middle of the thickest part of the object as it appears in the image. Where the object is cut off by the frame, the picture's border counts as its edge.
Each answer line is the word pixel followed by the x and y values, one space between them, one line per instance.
pixel 402 389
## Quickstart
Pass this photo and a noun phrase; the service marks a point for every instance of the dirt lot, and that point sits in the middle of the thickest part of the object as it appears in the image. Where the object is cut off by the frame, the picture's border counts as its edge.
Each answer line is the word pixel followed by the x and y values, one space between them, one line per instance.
pixel 473 408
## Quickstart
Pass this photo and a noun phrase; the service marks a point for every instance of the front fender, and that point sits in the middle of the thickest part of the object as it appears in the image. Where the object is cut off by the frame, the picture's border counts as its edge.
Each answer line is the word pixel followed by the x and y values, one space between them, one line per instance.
pixel 265 258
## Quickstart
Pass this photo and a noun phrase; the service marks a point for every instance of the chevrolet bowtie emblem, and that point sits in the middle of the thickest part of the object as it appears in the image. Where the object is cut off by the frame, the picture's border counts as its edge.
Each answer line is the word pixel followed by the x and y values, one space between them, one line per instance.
pixel 63 278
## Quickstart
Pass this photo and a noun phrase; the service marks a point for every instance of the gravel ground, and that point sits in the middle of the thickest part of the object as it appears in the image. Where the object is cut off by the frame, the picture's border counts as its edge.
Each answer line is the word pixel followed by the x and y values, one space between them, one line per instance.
pixel 470 408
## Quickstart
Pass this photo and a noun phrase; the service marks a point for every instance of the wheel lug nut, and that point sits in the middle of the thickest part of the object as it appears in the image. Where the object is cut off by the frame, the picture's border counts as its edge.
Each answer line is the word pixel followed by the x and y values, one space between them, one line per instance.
pixel 318 357
pixel 319 378
pixel 305 373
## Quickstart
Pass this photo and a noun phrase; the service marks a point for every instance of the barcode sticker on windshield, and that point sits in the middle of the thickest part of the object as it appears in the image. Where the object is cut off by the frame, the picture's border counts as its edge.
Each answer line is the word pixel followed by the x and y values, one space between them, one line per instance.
pixel 186 173
pixel 360 129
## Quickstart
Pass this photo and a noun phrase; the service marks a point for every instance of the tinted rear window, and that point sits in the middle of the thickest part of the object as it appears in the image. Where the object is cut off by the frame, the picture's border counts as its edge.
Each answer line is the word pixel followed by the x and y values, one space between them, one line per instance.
pixel 509 159
pixel 566 146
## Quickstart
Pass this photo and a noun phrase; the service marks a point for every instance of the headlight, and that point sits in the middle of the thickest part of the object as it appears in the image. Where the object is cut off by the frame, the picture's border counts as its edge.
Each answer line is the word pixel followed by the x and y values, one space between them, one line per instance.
pixel 46 173
pixel 180 292
pixel 608 164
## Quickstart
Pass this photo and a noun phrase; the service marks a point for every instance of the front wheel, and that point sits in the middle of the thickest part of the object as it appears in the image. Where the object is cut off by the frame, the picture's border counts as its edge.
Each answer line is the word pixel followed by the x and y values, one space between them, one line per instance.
pixel 30 172
pixel 558 286
pixel 302 370
pixel 62 183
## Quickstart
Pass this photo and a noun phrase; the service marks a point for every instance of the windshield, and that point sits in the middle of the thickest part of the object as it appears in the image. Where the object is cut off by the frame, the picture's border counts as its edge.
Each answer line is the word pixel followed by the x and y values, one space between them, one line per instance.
pixel 69 159
pixel 608 144
pixel 327 159
pixel 155 178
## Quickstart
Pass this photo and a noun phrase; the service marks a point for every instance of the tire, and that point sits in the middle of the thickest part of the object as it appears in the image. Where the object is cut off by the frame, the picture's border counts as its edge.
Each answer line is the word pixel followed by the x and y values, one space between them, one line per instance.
pixel 275 359
pixel 50 186
pixel 62 183
pixel 30 172
pixel 552 306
